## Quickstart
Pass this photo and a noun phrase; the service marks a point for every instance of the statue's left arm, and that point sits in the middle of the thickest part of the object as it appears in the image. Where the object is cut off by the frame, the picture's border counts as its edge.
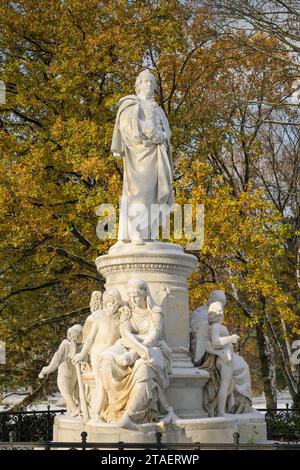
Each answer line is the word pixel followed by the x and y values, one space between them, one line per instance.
pixel 126 333
pixel 155 333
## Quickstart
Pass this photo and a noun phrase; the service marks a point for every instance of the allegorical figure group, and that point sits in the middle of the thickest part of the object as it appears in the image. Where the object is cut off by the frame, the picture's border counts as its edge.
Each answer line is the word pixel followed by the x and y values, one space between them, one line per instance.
pixel 131 362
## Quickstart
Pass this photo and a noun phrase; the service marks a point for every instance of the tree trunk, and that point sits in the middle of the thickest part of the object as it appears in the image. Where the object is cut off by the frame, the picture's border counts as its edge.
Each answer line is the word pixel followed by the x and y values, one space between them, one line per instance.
pixel 296 397
pixel 268 366
pixel 35 395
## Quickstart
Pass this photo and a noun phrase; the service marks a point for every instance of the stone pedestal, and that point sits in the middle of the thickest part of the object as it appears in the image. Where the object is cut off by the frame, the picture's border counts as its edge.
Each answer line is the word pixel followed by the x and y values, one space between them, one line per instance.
pixel 90 384
pixel 250 426
pixel 165 267
pixel 185 392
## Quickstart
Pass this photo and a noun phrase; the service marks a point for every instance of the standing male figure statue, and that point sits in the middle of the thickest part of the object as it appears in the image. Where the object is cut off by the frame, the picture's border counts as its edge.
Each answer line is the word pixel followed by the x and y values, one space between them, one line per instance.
pixel 142 136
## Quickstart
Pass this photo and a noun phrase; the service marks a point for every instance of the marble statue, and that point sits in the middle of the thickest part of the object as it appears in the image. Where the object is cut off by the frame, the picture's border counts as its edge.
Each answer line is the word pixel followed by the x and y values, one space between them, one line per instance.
pixel 142 137
pixel 104 332
pixel 145 362
pixel 95 307
pixel 135 370
pixel 67 380
pixel 85 367
pixel 229 387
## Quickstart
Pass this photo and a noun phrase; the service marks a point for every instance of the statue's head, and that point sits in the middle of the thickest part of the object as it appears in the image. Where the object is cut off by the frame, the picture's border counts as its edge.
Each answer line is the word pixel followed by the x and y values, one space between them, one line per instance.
pixel 146 84
pixel 217 296
pixel 75 334
pixel 137 291
pixel 112 300
pixel 96 301
pixel 215 312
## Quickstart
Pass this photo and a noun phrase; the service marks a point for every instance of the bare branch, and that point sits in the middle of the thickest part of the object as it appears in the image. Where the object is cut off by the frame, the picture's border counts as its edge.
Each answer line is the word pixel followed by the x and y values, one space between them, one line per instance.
pixel 80 312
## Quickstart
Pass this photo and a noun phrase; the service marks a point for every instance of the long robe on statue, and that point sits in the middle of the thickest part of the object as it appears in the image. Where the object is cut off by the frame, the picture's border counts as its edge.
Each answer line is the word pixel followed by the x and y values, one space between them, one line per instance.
pixel 148 165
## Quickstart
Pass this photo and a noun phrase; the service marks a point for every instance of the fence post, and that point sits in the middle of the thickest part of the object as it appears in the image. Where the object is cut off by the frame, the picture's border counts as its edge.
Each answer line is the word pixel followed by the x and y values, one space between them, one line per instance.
pixel 47 445
pixel 121 448
pixel 83 440
pixel 12 436
pixel 48 424
pixel 236 439
pixel 158 437
pixel 19 427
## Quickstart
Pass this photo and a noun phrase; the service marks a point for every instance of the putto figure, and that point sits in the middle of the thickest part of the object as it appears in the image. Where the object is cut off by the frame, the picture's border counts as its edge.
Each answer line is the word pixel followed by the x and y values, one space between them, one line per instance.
pixel 142 137
pixel 229 387
pixel 66 372
pixel 96 308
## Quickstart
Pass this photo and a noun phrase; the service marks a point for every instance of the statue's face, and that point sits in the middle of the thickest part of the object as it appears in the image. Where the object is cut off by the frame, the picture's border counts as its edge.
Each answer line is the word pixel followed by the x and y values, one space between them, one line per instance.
pixel 111 304
pixel 220 315
pixel 215 312
pixel 137 297
pixel 75 336
pixel 96 301
pixel 147 86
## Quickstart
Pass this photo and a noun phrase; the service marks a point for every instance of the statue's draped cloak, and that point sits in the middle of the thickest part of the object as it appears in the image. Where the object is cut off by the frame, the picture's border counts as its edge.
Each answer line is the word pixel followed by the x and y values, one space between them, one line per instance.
pixel 239 393
pixel 120 382
pixel 148 166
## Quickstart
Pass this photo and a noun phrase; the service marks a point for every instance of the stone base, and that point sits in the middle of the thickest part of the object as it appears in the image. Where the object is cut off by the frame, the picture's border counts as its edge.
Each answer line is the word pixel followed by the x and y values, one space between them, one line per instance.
pixel 185 391
pixel 250 426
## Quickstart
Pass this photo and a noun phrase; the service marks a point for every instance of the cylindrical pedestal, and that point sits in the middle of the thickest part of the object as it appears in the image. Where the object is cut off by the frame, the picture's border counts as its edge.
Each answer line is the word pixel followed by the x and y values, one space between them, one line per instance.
pixel 165 267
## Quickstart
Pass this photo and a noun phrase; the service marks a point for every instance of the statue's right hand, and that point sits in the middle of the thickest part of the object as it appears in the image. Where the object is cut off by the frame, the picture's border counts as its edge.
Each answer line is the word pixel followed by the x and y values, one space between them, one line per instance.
pixel 235 338
pixel 77 358
pixel 42 373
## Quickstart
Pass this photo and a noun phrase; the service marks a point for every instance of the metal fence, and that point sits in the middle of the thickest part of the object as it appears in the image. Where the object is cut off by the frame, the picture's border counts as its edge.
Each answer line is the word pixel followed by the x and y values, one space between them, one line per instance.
pixel 283 424
pixel 158 445
pixel 28 426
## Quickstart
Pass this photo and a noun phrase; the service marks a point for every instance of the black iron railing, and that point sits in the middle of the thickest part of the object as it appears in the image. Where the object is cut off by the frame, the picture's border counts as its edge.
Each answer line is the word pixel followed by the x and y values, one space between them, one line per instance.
pixel 283 423
pixel 27 426
pixel 158 445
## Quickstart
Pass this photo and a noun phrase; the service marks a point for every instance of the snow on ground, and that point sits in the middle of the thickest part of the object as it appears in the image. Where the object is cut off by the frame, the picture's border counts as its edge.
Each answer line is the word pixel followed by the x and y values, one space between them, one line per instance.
pixel 56 403
pixel 282 399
